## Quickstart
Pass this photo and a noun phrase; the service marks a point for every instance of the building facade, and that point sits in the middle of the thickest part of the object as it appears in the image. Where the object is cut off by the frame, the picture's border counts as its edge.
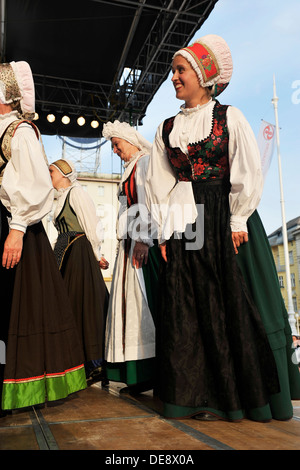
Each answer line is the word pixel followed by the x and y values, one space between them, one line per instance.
pixel 276 243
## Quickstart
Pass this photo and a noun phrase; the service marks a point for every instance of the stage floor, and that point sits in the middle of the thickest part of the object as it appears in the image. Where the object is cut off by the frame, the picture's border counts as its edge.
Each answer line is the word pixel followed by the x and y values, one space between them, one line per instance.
pixel 100 418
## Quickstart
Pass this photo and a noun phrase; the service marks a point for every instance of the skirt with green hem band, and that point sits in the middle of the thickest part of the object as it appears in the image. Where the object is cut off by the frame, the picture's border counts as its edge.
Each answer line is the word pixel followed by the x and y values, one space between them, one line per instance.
pixel 142 370
pixel 256 262
pixel 20 394
pixel 131 372
pixel 177 412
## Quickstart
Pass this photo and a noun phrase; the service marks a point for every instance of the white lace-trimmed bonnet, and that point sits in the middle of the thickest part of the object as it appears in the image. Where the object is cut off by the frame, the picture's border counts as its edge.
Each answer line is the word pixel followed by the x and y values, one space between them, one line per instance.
pixel 17 85
pixel 125 131
pixel 66 168
pixel 211 59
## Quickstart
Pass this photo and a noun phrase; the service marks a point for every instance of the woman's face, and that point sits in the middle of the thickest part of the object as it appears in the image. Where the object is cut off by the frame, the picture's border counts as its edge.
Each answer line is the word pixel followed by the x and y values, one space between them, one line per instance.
pixel 58 180
pixel 186 83
pixel 123 149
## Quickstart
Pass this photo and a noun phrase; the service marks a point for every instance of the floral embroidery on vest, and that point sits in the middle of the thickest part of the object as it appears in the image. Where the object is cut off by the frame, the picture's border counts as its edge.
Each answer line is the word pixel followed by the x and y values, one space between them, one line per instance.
pixel 206 159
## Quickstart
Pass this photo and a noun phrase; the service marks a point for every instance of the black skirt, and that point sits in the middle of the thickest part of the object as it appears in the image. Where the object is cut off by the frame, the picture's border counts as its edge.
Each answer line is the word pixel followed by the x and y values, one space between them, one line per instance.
pixel 44 356
pixel 212 348
pixel 87 292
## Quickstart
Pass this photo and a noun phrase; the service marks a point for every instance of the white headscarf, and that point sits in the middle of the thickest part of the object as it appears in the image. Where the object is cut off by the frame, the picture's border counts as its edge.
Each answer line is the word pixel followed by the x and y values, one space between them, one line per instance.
pixel 123 130
pixel 17 87
pixel 66 168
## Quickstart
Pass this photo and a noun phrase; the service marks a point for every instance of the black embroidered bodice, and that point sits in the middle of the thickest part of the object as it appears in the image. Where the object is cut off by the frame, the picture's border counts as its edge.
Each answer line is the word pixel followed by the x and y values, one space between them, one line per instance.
pixel 206 159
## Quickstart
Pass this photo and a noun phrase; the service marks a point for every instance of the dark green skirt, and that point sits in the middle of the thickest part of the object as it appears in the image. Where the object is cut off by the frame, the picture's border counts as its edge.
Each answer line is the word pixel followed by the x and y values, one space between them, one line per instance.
pixel 256 262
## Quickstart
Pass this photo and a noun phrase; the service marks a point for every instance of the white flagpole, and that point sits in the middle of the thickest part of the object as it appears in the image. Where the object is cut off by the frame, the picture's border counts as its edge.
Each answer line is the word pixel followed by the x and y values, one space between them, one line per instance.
pixel 291 311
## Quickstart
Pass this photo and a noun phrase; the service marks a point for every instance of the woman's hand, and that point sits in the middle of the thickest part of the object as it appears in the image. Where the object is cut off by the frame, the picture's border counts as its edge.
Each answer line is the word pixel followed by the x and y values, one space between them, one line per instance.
pixel 163 251
pixel 103 263
pixel 238 238
pixel 12 249
pixel 140 254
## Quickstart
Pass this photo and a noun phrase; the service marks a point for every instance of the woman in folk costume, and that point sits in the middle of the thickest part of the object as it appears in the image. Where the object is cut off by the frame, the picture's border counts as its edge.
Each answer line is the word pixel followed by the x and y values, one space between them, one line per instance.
pixel 130 330
pixel 44 357
pixel 77 250
pixel 224 345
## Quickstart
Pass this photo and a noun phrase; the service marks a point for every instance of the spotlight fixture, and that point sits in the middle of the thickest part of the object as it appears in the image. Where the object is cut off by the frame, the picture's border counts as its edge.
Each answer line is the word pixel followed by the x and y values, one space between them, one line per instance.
pixel 36 116
pixel 81 121
pixel 51 117
pixel 65 119
pixel 94 124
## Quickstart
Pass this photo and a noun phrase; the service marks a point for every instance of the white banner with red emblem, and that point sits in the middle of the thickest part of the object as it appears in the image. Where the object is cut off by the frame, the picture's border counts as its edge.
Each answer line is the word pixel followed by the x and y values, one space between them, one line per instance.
pixel 266 143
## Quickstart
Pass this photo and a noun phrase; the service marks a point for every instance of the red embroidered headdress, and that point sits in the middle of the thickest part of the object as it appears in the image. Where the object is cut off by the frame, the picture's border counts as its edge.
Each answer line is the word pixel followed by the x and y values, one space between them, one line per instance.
pixel 211 59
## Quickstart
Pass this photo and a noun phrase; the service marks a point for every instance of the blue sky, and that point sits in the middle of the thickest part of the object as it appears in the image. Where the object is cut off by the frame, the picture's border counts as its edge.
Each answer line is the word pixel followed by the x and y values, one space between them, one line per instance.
pixel 264 39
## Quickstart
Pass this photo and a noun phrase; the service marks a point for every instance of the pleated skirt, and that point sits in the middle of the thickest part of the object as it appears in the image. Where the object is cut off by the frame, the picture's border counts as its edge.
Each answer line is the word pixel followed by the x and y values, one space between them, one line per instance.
pixel 88 295
pixel 44 356
pixel 213 352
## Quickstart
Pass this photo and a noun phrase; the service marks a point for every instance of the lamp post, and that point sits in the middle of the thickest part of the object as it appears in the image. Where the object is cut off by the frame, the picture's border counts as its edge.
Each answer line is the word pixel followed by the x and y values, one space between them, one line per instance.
pixel 291 311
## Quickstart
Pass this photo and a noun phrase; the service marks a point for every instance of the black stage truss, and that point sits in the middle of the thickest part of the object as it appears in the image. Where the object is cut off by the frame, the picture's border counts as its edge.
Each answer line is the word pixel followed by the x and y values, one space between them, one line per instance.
pixel 101 59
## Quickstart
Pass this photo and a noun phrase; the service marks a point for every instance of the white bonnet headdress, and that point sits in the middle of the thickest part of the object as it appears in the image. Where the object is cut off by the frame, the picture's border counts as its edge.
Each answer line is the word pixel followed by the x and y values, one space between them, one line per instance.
pixel 211 59
pixel 17 87
pixel 66 168
pixel 125 131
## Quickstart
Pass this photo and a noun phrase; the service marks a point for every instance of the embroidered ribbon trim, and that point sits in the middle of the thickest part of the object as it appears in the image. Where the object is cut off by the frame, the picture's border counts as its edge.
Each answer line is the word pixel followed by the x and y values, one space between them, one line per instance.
pixel 205 60
pixel 54 374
